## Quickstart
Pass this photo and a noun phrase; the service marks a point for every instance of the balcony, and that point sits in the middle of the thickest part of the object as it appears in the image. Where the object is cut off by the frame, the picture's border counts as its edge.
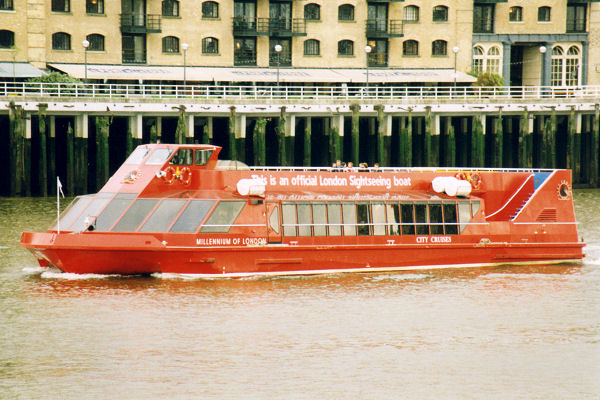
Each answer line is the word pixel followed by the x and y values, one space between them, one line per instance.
pixel 282 27
pixel 140 23
pixel 280 60
pixel 130 56
pixel 245 26
pixel 382 28
pixel 377 59
pixel 244 58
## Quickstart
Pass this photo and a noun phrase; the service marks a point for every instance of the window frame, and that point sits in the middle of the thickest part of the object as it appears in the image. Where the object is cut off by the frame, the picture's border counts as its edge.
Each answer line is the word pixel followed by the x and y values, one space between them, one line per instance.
pixel 167 45
pixel 346 13
pixel 316 12
pixel 94 8
pixel 544 14
pixel 442 13
pixel 213 12
pixel 9 39
pixel 210 45
pixel 410 14
pixel 96 42
pixel 515 14
pixel 348 45
pixel 60 37
pixel 439 48
pixel 7 5
pixel 61 6
pixel 170 8
pixel 312 47
pixel 410 48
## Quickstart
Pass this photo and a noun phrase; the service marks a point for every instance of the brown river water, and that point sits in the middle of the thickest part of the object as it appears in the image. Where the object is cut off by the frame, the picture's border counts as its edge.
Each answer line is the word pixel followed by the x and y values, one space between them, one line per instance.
pixel 493 333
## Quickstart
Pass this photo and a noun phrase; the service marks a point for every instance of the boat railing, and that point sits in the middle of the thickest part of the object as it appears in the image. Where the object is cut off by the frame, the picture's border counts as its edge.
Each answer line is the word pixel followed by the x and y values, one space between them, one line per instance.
pixel 397 169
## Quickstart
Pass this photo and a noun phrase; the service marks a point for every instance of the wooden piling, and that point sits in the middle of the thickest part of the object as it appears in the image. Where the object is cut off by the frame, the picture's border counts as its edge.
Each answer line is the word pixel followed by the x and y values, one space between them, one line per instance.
pixel 552 139
pixel 428 154
pixel 102 156
pixel 523 148
pixel 570 150
pixel 231 136
pixel 180 130
pixel 477 142
pixel 43 159
pixel 16 136
pixel 280 132
pixel 450 145
pixel 153 134
pixel 381 159
pixel 498 141
pixel 594 147
pixel 307 142
pixel 258 142
pixel 70 181
pixel 355 108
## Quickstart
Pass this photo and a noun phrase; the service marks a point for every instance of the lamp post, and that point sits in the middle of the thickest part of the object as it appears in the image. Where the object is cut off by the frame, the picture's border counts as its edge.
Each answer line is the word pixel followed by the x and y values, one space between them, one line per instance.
pixel 184 46
pixel 455 50
pixel 278 49
pixel 367 51
pixel 85 44
pixel 543 51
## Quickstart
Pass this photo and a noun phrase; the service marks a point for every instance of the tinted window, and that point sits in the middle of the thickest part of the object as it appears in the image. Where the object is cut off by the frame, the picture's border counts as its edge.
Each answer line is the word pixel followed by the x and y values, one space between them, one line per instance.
pixel 320 219
pixel 137 156
pixel 182 157
pixel 113 210
pixel 91 212
pixel 159 156
pixel 304 219
pixel 135 215
pixel 163 216
pixel 349 213
pixel 223 216
pixel 450 218
pixel 274 219
pixel 421 219
pixel 378 210
pixel 435 219
pixel 408 219
pixel 363 219
pixel 464 214
pixel 73 210
pixel 393 218
pixel 289 219
pixel 334 215
pixel 193 215
pixel 202 156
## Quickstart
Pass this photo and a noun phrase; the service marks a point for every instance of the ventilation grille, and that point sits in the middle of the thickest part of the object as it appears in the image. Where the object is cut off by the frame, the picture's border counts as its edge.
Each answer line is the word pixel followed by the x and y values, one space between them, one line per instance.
pixel 547 215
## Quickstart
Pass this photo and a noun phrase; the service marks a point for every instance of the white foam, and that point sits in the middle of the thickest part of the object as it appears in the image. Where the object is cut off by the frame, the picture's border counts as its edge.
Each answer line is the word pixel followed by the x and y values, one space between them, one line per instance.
pixel 398 277
pixel 51 274
pixel 37 270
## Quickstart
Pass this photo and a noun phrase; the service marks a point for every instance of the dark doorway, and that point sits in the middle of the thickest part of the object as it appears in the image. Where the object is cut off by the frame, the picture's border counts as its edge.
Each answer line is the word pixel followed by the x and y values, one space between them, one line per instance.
pixel 516 66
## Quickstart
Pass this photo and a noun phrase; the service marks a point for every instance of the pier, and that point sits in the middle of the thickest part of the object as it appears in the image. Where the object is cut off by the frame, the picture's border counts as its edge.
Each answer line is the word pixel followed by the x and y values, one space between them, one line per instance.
pixel 83 132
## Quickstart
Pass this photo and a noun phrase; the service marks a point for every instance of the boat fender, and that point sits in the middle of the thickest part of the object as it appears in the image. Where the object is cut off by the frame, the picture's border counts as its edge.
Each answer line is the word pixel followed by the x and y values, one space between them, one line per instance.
pixel 185 176
pixel 250 187
pixel 169 175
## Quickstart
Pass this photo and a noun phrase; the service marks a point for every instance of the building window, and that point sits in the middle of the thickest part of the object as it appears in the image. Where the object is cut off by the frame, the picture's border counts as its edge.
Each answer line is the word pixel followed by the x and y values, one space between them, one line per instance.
pixel 244 51
pixel 61 41
pixel 312 12
pixel 6 5
pixel 345 48
pixel 440 14
pixel 170 44
pixel 61 5
pixel 544 14
pixel 7 39
pixel 411 14
pixel 439 48
pixel 486 61
pixel 94 6
pixel 483 18
pixel 170 8
pixel 576 17
pixel 346 12
pixel 210 45
pixel 566 67
pixel 96 42
pixel 312 47
pixel 210 10
pixel 410 48
pixel 515 14
pixel 477 60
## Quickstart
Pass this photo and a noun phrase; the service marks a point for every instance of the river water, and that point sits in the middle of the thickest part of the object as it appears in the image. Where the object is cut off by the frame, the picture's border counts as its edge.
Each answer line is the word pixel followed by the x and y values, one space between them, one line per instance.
pixel 495 333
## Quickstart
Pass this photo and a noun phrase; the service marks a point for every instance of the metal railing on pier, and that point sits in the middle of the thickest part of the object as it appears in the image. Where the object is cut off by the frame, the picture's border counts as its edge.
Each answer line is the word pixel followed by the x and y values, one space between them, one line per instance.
pixel 294 92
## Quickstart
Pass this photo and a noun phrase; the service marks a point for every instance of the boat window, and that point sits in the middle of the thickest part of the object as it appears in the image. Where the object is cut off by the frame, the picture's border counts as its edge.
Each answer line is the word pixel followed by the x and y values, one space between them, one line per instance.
pixel 182 157
pixel 378 210
pixel 274 219
pixel 408 219
pixel 222 217
pixel 421 218
pixel 450 220
pixel 393 218
pixel 320 218
pixel 474 207
pixel 159 156
pixel 304 219
pixel 363 219
pixel 137 156
pixel 193 215
pixel 349 214
pixel 202 156
pixel 73 210
pixel 163 216
pixel 91 212
pixel 435 219
pixel 334 216
pixel 464 214
pixel 112 211
pixel 289 219
pixel 135 215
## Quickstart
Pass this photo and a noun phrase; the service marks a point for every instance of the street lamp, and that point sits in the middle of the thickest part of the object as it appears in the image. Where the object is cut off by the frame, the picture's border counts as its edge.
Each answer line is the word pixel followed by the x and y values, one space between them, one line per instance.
pixel 543 51
pixel 184 46
pixel 367 51
pixel 278 49
pixel 85 44
pixel 455 50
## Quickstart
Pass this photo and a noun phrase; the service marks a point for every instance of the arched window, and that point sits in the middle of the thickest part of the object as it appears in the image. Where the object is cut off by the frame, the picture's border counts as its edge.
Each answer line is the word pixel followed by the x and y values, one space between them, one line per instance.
pixel 210 45
pixel 439 48
pixel 312 12
pixel 346 12
pixel 345 48
pixel 515 14
pixel 210 9
pixel 566 66
pixel 440 14
pixel 411 14
pixel 478 58
pixel 7 39
pixel 410 48
pixel 170 8
pixel 312 47
pixel 61 41
pixel 544 14
pixel 96 42
pixel 170 44
pixel 493 60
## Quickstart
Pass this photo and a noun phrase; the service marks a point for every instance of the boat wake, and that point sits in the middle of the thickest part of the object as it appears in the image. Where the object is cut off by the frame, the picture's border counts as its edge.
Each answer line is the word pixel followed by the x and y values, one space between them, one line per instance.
pixel 52 273
pixel 398 277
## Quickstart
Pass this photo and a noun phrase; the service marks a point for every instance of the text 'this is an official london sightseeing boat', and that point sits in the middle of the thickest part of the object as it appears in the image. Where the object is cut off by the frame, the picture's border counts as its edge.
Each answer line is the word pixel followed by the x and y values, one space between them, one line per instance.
pixel 177 209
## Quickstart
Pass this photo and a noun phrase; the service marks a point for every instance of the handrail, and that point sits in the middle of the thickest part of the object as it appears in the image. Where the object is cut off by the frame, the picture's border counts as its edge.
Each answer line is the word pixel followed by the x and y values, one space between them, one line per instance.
pixel 291 92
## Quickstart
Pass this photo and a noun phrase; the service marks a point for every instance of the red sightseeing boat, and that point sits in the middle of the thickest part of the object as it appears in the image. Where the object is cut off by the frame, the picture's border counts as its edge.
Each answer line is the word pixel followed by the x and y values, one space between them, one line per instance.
pixel 178 209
